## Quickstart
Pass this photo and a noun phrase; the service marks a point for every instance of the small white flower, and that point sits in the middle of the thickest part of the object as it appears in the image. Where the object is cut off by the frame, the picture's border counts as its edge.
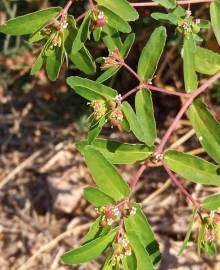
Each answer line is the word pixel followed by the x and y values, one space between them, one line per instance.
pixel 118 97
pixel 188 13
pixel 212 214
pixel 116 211
pixel 133 211
pixel 64 24
pixel 198 21
pixel 128 252
pixel 110 221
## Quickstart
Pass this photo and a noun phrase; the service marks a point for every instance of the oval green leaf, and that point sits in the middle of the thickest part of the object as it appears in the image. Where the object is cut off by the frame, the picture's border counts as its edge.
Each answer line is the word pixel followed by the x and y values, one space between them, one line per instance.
pixel 192 168
pixel 145 115
pixel 139 224
pixel 96 197
pixel 90 89
pixel 89 251
pixel 143 258
pixel 207 62
pixel 207 129
pixel 215 18
pixel 30 23
pixel 119 153
pixel 115 21
pixel 211 202
pixel 122 8
pixel 105 175
pixel 189 67
pixel 151 54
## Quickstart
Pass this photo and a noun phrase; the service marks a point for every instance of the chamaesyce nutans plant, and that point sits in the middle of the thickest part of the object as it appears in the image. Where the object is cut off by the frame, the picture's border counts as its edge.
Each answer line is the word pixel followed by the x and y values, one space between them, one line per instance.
pixel 121 229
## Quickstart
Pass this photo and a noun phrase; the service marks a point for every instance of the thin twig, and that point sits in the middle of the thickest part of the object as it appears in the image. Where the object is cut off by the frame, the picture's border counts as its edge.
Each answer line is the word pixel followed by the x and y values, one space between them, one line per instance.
pixel 154 4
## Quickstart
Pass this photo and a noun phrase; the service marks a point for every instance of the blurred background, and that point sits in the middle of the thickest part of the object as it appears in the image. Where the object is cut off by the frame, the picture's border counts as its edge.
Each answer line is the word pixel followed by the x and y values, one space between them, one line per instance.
pixel 42 211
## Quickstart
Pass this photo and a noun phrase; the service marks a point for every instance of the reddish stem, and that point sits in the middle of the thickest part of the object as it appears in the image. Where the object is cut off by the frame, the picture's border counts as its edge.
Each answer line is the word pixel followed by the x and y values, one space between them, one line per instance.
pixel 137 176
pixel 180 186
pixel 131 71
pixel 130 92
pixel 154 4
pixel 67 7
pixel 81 16
pixel 184 108
pixel 157 89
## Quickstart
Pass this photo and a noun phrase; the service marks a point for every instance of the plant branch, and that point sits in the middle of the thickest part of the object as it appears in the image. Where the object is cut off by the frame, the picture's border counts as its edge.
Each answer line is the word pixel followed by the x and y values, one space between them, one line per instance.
pixel 168 92
pixel 131 71
pixel 137 176
pixel 180 186
pixel 183 110
pixel 154 4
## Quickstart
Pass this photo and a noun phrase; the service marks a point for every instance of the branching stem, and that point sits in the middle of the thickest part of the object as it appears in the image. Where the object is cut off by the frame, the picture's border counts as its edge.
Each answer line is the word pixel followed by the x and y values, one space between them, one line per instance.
pixel 183 2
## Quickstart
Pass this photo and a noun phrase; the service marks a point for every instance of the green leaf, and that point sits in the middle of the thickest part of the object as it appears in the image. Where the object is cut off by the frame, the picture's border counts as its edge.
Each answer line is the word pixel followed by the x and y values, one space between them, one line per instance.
pixel 151 54
pixel 90 89
pixel 38 63
pixel 193 168
pixel 171 18
pixel 139 225
pixel 206 61
pixel 189 231
pixel 211 202
pixel 190 76
pixel 122 8
pixel 94 231
pixel 111 38
pixel 115 21
pixel 117 152
pixel 30 23
pixel 54 62
pixel 207 129
pixel 166 3
pixel 88 251
pixel 82 34
pixel 95 129
pixel 108 74
pixel 179 12
pixel 145 115
pixel 215 18
pixel 83 61
pixel 105 175
pixel 143 258
pixel 96 197
pixel 133 122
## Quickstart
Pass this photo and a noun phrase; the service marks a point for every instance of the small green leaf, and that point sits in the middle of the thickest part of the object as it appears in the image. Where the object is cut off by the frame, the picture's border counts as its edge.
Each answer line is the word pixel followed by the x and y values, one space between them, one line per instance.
pixel 96 197
pixel 38 63
pixel 139 224
pixel 90 89
pixel 122 8
pixel 111 38
pixel 167 3
pixel 54 62
pixel 143 258
pixel 83 61
pixel 179 12
pixel 189 231
pixel 207 62
pixel 115 21
pixel 133 122
pixel 108 74
pixel 171 18
pixel 82 34
pixel 105 175
pixel 211 202
pixel 30 23
pixel 95 129
pixel 93 232
pixel 88 251
pixel 145 115
pixel 193 168
pixel 190 76
pixel 215 18
pixel 210 248
pixel 151 54
pixel 207 129
pixel 119 153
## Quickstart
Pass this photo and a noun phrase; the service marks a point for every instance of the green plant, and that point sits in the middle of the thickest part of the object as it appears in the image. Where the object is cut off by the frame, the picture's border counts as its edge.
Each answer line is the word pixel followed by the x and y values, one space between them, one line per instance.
pixel 122 227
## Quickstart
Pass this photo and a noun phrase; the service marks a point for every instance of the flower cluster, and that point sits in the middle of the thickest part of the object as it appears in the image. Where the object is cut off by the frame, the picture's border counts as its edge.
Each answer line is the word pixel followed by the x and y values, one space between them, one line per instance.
pixel 99 108
pixel 100 19
pixel 122 248
pixel 114 58
pixel 188 26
